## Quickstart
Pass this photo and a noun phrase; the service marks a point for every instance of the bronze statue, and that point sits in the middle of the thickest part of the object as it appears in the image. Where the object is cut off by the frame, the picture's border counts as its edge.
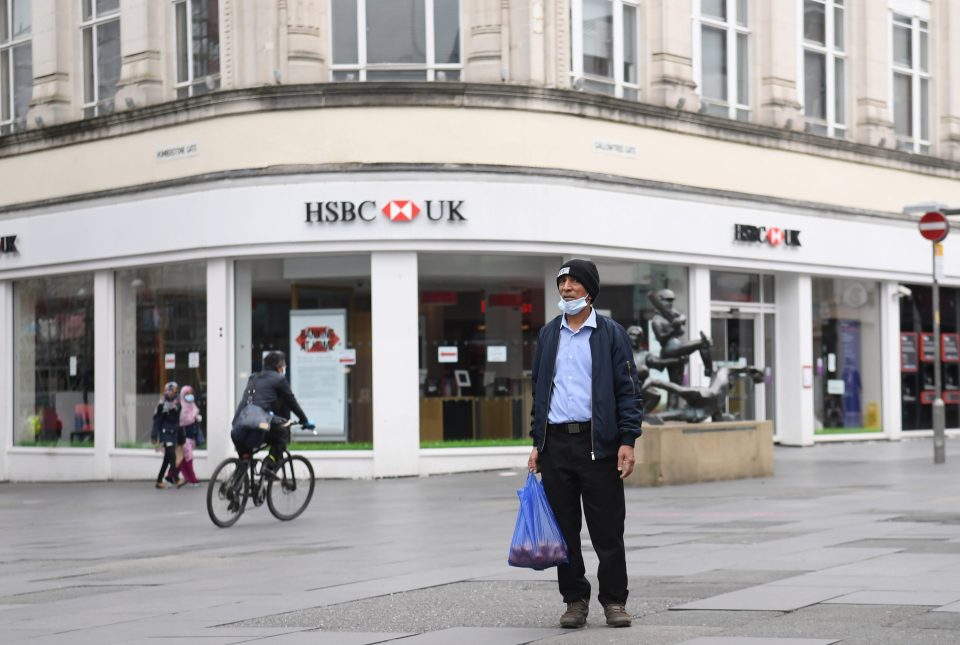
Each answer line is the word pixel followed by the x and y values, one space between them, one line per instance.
pixel 703 402
pixel 669 326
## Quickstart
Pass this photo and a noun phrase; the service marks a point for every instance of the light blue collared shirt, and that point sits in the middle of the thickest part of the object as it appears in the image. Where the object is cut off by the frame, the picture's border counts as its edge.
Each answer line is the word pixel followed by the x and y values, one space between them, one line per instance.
pixel 573 375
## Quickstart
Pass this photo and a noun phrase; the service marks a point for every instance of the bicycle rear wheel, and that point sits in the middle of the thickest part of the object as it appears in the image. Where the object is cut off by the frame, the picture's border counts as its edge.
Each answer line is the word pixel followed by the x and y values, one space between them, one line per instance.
pixel 289 496
pixel 227 492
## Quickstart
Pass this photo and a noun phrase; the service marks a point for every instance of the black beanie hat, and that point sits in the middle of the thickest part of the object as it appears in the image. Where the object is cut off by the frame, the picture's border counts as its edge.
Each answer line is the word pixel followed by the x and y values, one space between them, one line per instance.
pixel 583 271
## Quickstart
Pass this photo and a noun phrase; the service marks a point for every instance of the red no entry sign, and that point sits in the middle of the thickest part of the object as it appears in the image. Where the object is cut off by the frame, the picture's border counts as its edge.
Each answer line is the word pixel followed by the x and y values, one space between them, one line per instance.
pixel 934 226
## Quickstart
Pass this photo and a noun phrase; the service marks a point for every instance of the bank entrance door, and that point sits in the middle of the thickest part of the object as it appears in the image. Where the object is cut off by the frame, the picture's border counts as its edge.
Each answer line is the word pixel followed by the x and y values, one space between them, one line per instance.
pixel 742 339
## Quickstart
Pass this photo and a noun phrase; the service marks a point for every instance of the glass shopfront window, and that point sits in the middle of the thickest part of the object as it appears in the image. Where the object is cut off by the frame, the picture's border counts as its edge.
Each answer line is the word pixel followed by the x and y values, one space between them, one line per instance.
pixel 161 337
pixel 53 361
pixel 917 356
pixel 317 311
pixel 479 321
pixel 846 353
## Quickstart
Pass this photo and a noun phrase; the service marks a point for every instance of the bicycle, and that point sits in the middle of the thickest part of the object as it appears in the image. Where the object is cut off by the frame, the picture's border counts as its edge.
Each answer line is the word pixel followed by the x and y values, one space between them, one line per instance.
pixel 237 480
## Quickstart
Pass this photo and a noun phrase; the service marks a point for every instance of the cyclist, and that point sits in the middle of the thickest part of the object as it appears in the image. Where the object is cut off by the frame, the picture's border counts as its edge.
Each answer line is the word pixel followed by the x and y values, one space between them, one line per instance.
pixel 272 393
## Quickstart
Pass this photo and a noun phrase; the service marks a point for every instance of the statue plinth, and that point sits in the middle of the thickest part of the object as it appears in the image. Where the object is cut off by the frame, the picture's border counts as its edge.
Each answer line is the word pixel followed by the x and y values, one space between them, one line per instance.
pixel 686 453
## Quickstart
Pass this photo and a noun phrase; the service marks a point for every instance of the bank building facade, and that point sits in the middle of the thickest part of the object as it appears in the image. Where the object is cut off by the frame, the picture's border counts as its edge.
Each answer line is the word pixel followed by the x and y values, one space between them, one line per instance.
pixel 385 189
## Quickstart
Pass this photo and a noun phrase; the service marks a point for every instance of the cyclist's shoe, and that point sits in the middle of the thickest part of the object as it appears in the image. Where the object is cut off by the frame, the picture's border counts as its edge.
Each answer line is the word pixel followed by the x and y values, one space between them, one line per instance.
pixel 268 469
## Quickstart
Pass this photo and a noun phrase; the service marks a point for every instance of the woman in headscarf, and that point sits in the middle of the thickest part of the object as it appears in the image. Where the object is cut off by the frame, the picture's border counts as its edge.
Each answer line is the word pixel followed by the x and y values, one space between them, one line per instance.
pixel 167 433
pixel 190 419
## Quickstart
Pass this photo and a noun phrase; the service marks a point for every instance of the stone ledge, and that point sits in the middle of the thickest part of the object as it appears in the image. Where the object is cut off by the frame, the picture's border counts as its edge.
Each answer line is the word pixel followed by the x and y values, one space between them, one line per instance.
pixel 686 453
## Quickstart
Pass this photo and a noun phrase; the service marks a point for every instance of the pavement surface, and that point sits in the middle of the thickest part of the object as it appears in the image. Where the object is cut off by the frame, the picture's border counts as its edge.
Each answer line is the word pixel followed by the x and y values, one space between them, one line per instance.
pixel 853 543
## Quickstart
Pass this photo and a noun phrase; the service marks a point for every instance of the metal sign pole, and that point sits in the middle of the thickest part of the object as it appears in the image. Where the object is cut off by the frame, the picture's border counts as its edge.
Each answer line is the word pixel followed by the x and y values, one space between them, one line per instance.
pixel 939 415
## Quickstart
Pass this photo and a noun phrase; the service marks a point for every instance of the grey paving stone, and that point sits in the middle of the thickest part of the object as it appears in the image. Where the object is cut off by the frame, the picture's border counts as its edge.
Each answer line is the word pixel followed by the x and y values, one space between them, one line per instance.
pixel 907 545
pixel 931 598
pixel 480 636
pixel 768 598
pixel 743 640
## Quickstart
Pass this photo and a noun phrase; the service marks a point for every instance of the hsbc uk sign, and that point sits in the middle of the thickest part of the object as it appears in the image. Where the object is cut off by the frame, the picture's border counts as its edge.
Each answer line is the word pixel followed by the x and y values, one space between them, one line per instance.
pixel 395 210
pixel 769 234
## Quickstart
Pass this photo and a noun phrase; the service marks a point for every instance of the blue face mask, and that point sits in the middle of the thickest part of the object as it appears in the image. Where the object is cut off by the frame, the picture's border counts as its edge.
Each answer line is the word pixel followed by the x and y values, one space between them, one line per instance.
pixel 189 398
pixel 572 307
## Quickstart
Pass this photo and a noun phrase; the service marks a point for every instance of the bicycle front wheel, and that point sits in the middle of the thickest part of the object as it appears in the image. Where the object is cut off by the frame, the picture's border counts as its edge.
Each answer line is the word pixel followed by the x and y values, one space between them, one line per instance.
pixel 227 492
pixel 289 495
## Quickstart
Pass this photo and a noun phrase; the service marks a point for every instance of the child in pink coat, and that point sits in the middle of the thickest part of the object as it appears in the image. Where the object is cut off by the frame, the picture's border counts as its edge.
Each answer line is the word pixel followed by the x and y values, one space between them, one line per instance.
pixel 190 419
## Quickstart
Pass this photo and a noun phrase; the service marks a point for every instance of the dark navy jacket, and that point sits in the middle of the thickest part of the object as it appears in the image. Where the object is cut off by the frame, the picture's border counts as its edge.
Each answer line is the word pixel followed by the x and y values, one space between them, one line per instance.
pixel 617 409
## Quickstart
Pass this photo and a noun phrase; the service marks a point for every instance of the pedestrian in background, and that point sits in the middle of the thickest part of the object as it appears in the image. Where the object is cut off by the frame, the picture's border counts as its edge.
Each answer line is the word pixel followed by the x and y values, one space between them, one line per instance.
pixel 167 434
pixel 585 421
pixel 190 419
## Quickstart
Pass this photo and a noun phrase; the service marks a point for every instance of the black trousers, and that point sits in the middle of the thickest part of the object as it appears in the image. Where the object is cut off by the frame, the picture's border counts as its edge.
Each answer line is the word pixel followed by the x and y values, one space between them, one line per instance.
pixel 569 476
pixel 246 441
pixel 169 460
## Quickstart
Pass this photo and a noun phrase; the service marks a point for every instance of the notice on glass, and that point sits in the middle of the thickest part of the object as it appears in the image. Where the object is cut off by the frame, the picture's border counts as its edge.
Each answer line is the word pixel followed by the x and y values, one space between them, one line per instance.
pixel 170 361
pixel 193 359
pixel 807 376
pixel 318 338
pixel 73 366
pixel 835 386
pixel 496 353
pixel 447 354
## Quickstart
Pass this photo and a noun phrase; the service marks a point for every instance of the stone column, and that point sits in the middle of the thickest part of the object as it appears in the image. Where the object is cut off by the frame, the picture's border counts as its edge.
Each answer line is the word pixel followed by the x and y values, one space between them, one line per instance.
pixel 105 372
pixel 53 37
pixel 670 72
pixel 775 31
pixel 7 324
pixel 394 306
pixel 891 419
pixel 698 319
pixel 250 44
pixel 483 42
pixel 871 75
pixel 220 363
pixel 947 77
pixel 142 31
pixel 794 351
pixel 526 42
pixel 307 34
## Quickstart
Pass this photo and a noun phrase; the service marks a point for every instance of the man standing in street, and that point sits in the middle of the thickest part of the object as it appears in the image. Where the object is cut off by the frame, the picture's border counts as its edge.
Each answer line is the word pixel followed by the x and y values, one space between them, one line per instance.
pixel 585 420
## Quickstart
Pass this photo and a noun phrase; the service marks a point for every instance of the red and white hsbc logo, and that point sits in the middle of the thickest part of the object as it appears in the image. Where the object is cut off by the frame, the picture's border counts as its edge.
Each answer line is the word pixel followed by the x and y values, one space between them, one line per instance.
pixel 769 234
pixel 395 210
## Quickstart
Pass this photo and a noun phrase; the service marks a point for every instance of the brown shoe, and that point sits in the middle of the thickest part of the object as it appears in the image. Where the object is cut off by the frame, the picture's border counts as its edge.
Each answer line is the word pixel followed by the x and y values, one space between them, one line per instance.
pixel 617 615
pixel 161 485
pixel 576 614
pixel 181 483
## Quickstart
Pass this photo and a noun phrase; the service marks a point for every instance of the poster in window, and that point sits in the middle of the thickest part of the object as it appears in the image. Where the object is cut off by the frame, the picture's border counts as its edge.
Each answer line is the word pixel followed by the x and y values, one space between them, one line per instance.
pixel 908 352
pixel 318 339
pixel 850 337
pixel 950 348
pixel 928 350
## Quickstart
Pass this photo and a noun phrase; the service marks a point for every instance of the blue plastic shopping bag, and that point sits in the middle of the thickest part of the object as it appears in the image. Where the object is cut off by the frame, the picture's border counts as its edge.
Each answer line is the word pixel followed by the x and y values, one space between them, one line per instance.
pixel 537 541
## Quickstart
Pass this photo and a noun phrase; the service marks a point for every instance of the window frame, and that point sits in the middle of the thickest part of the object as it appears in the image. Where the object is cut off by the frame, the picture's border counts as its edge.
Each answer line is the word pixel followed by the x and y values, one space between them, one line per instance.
pixel 832 54
pixel 919 25
pixel 732 30
pixel 7 44
pixel 96 106
pixel 210 81
pixel 429 66
pixel 621 88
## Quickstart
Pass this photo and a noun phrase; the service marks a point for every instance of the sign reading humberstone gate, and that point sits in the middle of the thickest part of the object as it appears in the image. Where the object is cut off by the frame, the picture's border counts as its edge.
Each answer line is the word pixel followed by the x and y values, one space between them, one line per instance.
pixel 395 210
